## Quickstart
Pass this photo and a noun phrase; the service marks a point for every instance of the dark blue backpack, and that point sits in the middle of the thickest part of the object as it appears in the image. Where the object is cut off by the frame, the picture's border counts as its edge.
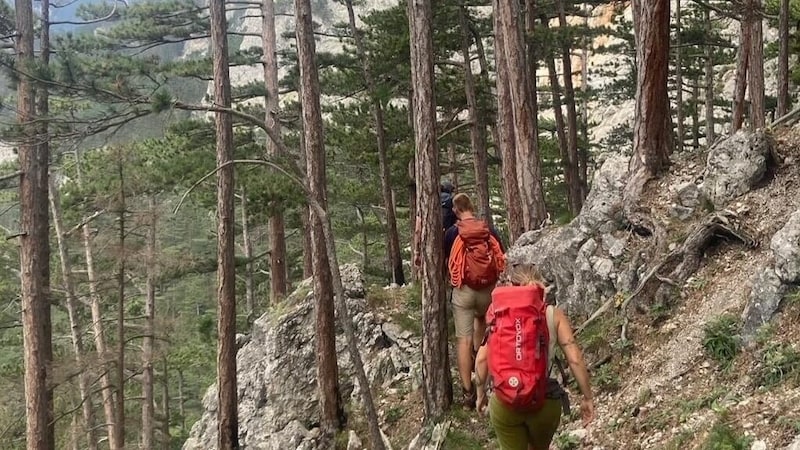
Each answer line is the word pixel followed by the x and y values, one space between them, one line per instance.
pixel 448 216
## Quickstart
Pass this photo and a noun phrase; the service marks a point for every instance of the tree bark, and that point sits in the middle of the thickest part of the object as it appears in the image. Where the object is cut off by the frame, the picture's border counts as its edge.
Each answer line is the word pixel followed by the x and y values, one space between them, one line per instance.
pixel 181 403
pixel 148 399
pixel 783 60
pixel 120 365
pixel 227 411
pixel 506 134
pixel 76 332
pixel 679 79
pixel 742 63
pixel 247 246
pixel 575 186
pixel 331 412
pixel 34 248
pixel 109 406
pixel 436 385
pixel 165 434
pixel 709 75
pixel 523 111
pixel 583 157
pixel 696 114
pixel 755 78
pixel 392 236
pixel 651 121
pixel 308 260
pixel 480 158
pixel 277 227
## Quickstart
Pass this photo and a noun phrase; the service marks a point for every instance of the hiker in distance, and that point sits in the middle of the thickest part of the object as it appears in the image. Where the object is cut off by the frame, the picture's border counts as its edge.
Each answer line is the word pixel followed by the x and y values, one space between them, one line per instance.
pixel 525 405
pixel 446 190
pixel 475 260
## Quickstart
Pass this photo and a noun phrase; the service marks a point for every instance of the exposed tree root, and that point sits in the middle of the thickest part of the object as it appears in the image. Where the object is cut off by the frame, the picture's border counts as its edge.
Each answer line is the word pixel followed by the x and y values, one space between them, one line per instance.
pixel 686 260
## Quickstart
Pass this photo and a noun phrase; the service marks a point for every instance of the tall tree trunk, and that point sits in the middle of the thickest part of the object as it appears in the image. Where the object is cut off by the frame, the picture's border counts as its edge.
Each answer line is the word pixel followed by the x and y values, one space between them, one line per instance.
pixel 783 59
pixel 76 332
pixel 452 162
pixel 277 227
pixel 331 412
pixel 583 157
pixel 392 237
pixel 480 158
pixel 523 101
pixel 742 63
pixel 120 381
pixel 34 248
pixel 696 113
pixel 679 79
pixel 555 89
pixel 651 121
pixel 247 246
pixel 709 81
pixel 109 406
pixel 436 385
pixel 755 78
pixel 507 135
pixel 308 260
pixel 227 411
pixel 575 187
pixel 165 434
pixel 181 403
pixel 148 398
pixel 364 236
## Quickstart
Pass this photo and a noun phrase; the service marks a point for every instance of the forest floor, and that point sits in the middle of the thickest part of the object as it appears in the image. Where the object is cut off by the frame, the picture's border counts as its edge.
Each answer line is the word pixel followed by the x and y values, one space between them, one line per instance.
pixel 662 389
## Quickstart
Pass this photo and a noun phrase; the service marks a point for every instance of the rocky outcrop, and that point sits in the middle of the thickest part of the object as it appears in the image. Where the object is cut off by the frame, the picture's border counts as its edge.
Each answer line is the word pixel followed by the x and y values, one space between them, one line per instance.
pixel 578 260
pixel 786 247
pixel 278 402
pixel 772 284
pixel 735 165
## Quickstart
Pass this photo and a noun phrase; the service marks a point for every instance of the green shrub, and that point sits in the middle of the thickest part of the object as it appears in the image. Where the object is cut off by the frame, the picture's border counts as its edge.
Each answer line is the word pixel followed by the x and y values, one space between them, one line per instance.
pixel 606 378
pixel 722 341
pixel 725 437
pixel 779 362
pixel 567 441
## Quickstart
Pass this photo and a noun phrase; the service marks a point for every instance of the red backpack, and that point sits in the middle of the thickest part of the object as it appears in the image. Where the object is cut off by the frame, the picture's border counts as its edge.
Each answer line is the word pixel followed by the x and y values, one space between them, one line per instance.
pixel 518 339
pixel 476 258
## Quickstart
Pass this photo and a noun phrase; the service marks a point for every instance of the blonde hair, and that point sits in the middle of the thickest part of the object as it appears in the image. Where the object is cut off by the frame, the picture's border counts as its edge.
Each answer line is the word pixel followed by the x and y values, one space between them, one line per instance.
pixel 522 275
pixel 462 203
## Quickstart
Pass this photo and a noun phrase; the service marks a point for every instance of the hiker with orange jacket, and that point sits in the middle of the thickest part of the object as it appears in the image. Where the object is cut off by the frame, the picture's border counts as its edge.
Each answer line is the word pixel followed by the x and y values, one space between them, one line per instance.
pixel 475 259
pixel 526 405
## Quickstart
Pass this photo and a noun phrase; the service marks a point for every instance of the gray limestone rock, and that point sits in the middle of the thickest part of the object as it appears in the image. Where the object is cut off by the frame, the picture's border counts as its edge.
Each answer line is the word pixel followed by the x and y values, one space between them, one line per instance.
pixel 735 165
pixel 564 255
pixel 785 246
pixel 765 299
pixel 278 400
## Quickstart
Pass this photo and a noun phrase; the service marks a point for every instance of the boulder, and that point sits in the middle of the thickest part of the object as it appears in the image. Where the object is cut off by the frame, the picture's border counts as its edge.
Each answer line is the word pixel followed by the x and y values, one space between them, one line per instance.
pixel 689 195
pixel 765 299
pixel 794 445
pixel 569 257
pixel 735 165
pixel 276 370
pixel 785 246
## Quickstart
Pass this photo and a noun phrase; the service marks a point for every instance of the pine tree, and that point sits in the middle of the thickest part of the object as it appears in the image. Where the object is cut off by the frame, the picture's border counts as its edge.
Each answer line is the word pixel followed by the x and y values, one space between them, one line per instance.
pixel 436 385
pixel 227 411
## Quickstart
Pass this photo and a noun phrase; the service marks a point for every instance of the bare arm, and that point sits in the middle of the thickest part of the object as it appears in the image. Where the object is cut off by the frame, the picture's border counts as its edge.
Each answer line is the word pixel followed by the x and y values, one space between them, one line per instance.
pixel 482 375
pixel 568 344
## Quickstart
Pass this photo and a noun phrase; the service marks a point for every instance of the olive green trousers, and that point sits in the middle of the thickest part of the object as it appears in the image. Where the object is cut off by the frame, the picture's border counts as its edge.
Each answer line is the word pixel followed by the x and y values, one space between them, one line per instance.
pixel 523 431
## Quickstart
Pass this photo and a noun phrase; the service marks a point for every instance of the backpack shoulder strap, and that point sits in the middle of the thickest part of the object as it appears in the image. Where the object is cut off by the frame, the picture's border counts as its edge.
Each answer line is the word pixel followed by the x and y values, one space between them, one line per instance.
pixel 551 328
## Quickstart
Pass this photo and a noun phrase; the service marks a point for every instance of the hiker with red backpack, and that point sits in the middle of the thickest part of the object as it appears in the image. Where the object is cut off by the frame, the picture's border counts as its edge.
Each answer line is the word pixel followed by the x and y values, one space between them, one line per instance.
pixel 526 404
pixel 475 259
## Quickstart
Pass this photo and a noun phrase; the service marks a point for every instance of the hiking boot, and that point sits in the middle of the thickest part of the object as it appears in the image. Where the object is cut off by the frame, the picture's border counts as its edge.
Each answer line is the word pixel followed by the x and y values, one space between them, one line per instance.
pixel 469 397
